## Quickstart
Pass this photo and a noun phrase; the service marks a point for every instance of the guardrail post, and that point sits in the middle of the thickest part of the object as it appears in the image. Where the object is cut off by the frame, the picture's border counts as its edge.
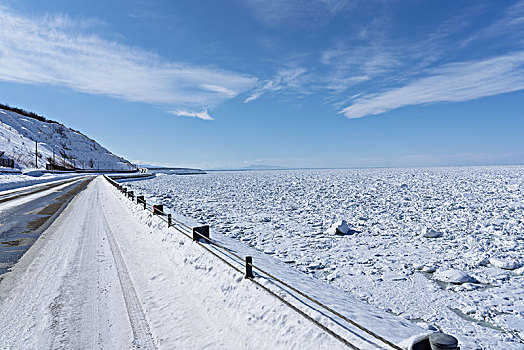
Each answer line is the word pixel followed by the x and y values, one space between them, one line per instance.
pixel 139 199
pixel 168 220
pixel 131 194
pixel 249 267
pixel 158 209
pixel 441 341
pixel 124 190
pixel 200 232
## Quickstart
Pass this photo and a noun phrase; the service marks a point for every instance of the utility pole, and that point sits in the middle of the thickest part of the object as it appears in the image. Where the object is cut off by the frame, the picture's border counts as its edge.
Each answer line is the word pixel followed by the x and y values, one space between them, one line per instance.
pixel 36 154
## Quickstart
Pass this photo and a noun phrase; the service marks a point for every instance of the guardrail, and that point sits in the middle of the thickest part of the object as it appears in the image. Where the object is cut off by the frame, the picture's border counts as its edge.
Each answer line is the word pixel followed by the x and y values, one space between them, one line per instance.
pixel 199 233
pixel 7 162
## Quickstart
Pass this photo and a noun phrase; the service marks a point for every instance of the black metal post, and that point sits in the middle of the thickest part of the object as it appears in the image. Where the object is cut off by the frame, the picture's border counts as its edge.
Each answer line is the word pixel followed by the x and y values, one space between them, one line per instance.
pixel 249 267
pixel 168 220
pixel 158 209
pixel 200 232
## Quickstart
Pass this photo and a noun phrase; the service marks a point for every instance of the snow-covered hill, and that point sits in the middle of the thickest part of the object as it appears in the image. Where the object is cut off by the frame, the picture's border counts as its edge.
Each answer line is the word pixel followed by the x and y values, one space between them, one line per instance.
pixel 57 144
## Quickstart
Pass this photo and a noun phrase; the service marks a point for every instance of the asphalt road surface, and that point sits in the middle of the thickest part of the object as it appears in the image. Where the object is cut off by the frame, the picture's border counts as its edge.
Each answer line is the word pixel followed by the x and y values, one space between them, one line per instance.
pixel 24 215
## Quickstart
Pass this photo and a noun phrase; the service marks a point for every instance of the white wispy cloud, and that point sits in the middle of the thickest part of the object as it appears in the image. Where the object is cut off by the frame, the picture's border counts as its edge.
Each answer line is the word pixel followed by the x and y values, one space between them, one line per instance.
pixel 204 115
pixel 508 27
pixel 450 83
pixel 56 50
pixel 310 12
pixel 347 68
pixel 288 78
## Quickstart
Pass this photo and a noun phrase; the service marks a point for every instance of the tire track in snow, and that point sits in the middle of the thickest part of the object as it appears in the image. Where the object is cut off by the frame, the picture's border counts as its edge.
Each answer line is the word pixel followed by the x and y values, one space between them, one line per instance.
pixel 74 311
pixel 143 338
pixel 22 303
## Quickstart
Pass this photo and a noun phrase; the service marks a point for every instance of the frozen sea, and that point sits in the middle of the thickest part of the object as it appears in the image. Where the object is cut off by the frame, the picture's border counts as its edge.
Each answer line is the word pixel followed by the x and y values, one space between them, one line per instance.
pixel 441 247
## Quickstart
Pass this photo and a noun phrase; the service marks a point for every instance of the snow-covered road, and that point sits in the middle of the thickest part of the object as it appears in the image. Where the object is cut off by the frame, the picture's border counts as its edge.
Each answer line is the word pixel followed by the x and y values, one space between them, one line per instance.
pixel 27 212
pixel 64 292
pixel 100 278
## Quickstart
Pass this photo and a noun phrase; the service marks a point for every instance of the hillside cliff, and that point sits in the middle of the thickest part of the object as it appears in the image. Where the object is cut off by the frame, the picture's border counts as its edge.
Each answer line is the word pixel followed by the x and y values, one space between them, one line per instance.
pixel 57 144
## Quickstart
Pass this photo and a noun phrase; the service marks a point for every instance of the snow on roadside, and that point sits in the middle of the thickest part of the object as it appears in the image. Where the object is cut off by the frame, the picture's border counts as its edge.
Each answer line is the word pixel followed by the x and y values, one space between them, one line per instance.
pixel 203 271
pixel 474 215
pixel 13 181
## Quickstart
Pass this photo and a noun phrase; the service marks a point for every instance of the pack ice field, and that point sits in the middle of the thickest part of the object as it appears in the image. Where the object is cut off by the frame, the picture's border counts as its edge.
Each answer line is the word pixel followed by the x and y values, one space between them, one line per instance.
pixel 441 247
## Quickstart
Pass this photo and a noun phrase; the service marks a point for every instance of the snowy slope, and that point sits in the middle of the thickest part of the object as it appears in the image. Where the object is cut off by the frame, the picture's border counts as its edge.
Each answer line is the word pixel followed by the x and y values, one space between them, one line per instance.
pixel 18 134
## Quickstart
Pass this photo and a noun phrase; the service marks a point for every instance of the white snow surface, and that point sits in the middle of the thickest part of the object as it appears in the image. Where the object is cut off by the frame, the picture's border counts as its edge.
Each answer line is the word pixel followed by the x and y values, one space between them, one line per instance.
pixel 478 213
pixel 107 274
pixel 12 181
pixel 339 227
pixel 18 134
pixel 454 276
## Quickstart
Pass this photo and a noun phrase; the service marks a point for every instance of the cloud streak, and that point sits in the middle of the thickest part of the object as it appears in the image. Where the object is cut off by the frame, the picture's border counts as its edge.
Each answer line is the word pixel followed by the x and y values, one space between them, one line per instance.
pixel 294 78
pixel 450 83
pixel 302 12
pixel 204 115
pixel 56 51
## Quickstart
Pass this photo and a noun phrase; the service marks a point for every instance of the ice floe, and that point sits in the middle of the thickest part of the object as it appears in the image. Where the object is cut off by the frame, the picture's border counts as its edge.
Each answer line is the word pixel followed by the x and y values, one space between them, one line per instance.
pixel 384 257
pixel 454 276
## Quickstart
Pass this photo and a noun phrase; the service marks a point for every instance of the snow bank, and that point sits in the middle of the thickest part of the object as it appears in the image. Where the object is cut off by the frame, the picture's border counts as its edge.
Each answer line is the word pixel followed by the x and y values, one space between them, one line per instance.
pixel 12 181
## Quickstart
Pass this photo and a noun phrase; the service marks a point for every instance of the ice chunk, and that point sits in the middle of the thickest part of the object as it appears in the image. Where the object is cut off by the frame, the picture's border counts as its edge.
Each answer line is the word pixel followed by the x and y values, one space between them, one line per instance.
pixel 332 276
pixel 454 276
pixel 505 264
pixel 338 228
pixel 431 233
pixel 429 268
pixel 471 286
pixel 418 266
pixel 483 261
pixel 314 265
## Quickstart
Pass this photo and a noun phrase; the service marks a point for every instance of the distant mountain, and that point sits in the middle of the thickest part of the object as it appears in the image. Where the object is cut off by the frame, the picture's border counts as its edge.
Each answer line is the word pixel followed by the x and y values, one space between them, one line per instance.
pixel 175 171
pixel 252 167
pixel 20 131
pixel 262 167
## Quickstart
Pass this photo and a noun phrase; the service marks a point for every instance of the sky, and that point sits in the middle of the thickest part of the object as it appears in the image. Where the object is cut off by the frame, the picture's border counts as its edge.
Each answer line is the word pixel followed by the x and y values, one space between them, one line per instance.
pixel 298 83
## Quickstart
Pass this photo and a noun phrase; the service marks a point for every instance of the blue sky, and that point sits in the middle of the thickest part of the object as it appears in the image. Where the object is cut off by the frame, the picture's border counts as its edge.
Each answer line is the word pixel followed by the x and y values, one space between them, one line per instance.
pixel 316 83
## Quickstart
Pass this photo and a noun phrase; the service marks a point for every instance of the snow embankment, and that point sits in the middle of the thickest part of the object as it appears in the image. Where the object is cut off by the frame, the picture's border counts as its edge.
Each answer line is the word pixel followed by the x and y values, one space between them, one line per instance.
pixel 13 181
pixel 57 144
